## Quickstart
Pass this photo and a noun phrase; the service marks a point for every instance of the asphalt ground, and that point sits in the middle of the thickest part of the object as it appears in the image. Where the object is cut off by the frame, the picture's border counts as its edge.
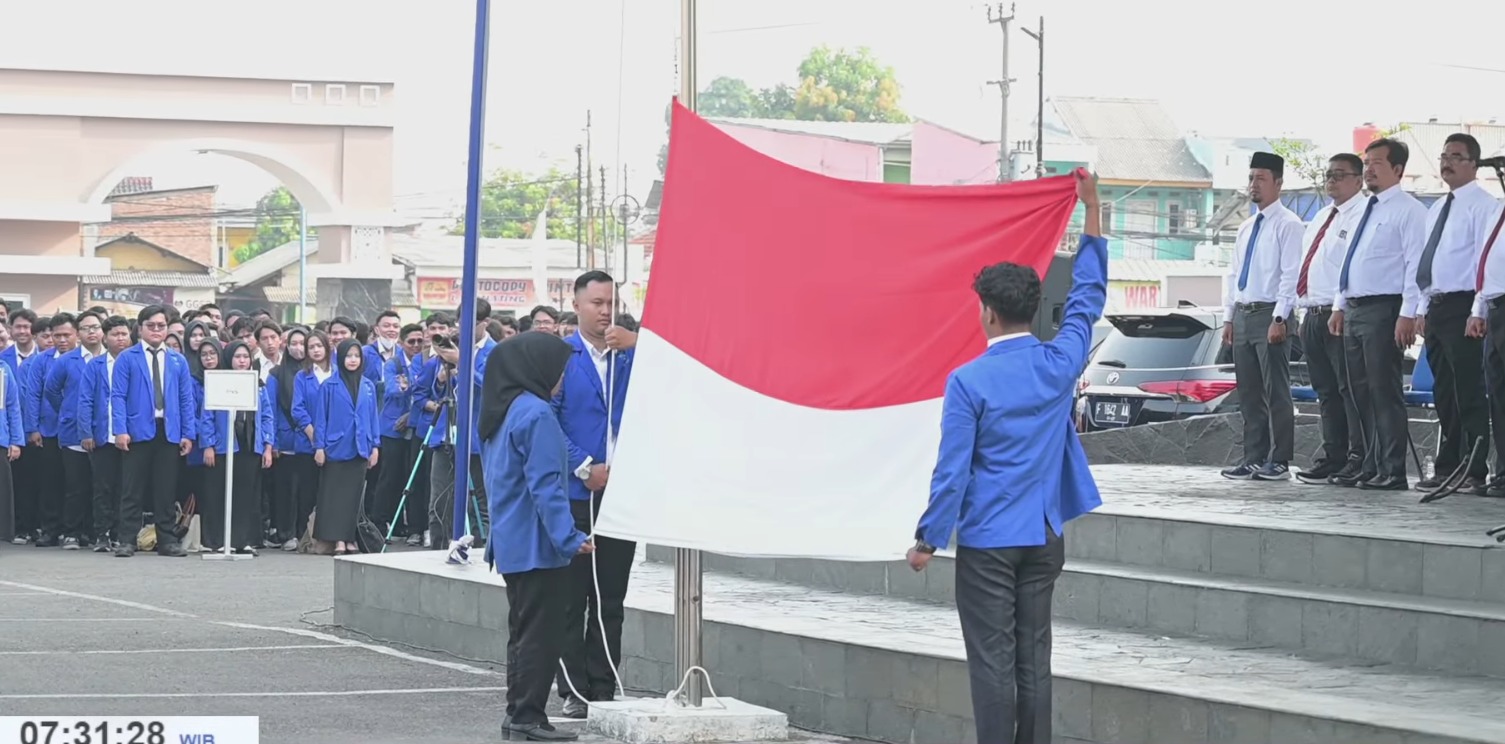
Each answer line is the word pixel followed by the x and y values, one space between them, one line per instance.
pixel 87 634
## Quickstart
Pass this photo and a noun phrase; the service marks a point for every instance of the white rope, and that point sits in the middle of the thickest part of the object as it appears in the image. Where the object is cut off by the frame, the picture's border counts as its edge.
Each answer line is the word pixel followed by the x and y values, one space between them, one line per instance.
pixel 673 697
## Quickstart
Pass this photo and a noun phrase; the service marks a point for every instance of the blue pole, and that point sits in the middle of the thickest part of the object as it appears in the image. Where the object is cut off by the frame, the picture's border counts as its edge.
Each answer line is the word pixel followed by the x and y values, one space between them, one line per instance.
pixel 467 371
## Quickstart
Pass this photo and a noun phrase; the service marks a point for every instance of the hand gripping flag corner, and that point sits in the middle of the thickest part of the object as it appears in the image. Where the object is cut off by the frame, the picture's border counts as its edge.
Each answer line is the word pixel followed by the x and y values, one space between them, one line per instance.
pixel 795 343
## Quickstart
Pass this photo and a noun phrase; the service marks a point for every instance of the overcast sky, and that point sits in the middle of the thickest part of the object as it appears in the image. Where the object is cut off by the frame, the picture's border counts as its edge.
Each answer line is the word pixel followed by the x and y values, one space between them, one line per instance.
pixel 1279 67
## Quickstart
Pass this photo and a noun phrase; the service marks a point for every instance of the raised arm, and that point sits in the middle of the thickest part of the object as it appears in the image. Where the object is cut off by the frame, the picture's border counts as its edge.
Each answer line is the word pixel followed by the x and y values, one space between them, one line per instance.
pixel 1089 289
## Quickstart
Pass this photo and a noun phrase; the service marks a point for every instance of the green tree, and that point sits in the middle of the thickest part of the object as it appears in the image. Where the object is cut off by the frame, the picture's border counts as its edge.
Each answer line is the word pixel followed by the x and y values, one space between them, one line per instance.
pixel 841 85
pixel 278 221
pixel 511 201
pixel 729 96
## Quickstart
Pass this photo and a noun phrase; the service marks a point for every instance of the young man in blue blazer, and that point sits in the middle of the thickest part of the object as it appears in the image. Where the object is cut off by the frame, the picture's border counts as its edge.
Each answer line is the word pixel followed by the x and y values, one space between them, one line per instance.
pixel 75 525
pixel 443 471
pixel 1010 474
pixel 602 360
pixel 97 434
pixel 152 415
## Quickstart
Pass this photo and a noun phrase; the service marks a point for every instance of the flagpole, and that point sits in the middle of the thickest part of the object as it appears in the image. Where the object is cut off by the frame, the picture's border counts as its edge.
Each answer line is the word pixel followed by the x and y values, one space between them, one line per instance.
pixel 687 570
pixel 465 379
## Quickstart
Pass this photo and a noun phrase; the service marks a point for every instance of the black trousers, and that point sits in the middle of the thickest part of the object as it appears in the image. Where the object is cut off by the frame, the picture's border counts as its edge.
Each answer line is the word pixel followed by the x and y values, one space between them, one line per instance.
pixel 104 466
pixel 1329 372
pixel 245 506
pixel 149 475
pixel 1457 363
pixel 1494 365
pixel 1003 597
pixel 536 602
pixel 588 659
pixel 54 490
pixel 294 495
pixel 78 490
pixel 26 494
pixel 395 467
pixel 1263 371
pixel 416 511
pixel 1374 370
pixel 442 498
pixel 7 498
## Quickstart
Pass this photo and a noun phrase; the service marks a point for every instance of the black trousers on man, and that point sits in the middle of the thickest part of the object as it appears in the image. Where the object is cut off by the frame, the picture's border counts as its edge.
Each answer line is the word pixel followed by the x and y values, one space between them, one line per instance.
pixel 442 498
pixel 1263 371
pixel 53 491
pixel 1374 369
pixel 104 466
pixel 1494 363
pixel 1003 597
pixel 25 494
pixel 393 476
pixel 1457 363
pixel 536 602
pixel 149 475
pixel 1328 368
pixel 588 657
pixel 78 495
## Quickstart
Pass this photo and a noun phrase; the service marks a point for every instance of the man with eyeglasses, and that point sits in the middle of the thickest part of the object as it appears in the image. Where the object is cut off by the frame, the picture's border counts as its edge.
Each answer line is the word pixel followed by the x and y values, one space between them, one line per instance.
pixel 1375 311
pixel 1457 225
pixel 1487 322
pixel 1326 243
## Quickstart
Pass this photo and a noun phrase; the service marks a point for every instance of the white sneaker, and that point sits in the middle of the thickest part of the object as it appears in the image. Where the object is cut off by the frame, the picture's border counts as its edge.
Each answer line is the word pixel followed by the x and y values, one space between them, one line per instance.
pixel 428 541
pixel 290 546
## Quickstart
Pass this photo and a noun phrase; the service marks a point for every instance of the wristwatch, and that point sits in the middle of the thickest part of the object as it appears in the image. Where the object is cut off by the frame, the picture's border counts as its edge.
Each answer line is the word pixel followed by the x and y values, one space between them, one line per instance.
pixel 921 546
pixel 1280 320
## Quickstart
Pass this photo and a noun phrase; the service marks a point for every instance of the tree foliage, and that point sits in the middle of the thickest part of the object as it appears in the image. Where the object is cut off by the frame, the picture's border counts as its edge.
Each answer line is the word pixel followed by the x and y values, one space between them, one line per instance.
pixel 834 85
pixel 1303 159
pixel 511 201
pixel 278 221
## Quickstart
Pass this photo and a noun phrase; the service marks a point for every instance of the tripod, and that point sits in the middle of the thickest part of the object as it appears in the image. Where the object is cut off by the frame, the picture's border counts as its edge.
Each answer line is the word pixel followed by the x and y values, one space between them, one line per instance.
pixel 445 410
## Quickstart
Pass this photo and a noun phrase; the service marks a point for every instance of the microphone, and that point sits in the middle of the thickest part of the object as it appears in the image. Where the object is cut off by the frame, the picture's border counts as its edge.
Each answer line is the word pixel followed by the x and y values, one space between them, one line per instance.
pixel 1497 162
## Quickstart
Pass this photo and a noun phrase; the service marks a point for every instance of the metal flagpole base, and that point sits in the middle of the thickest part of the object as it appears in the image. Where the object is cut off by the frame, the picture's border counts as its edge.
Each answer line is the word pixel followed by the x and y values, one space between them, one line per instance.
pixel 228 556
pixel 687 609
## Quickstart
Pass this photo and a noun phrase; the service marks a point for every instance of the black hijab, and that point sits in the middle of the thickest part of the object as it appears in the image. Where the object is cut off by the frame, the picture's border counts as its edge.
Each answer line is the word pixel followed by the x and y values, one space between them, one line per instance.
pixel 352 378
pixel 196 367
pixel 527 362
pixel 286 371
pixel 226 358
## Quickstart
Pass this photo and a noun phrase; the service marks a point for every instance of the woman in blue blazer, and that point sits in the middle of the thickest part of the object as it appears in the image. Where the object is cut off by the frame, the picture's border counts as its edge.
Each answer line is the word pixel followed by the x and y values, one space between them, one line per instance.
pixel 533 535
pixel 201 466
pixel 11 439
pixel 346 432
pixel 248 435
pixel 293 472
pixel 316 369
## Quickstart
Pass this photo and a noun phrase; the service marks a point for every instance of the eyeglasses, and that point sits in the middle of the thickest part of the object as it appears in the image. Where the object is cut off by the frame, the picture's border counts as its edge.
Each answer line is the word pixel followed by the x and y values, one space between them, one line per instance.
pixel 1338 175
pixel 154 326
pixel 1454 158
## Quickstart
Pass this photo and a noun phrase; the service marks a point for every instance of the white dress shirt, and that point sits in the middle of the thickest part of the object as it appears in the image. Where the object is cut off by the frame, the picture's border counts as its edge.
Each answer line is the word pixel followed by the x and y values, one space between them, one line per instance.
pixel 1384 261
pixel 88 357
pixel 1457 256
pixel 602 359
pixel 110 399
pixel 1322 274
pixel 1494 264
pixel 1274 264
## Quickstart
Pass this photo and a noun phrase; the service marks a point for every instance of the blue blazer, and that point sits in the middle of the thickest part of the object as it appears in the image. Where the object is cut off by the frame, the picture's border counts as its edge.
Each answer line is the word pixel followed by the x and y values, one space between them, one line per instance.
pixel 1010 461
pixel 94 401
pixel 131 396
pixel 306 404
pixel 437 391
pixel 421 386
pixel 346 429
pixel 9 358
pixel 63 393
pixel 376 367
pixel 525 466
pixel 12 434
pixel 287 436
pixel 395 400
pixel 581 408
pixel 214 430
pixel 35 414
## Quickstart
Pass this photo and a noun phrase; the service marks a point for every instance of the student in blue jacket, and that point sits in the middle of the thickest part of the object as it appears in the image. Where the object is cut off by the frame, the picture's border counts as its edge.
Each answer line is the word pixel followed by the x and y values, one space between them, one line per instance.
pixel 443 472
pixel 11 439
pixel 74 519
pixel 248 435
pixel 345 447
pixel 39 416
pixel 293 471
pixel 533 533
pixel 97 433
pixel 201 466
pixel 396 393
pixel 317 368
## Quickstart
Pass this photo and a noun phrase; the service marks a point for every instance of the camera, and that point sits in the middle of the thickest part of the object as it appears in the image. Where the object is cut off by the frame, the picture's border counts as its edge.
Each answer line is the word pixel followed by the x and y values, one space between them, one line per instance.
pixel 441 341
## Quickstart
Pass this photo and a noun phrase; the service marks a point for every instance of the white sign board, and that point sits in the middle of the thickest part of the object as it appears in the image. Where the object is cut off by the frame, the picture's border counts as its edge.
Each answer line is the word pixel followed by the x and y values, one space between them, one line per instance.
pixel 231 389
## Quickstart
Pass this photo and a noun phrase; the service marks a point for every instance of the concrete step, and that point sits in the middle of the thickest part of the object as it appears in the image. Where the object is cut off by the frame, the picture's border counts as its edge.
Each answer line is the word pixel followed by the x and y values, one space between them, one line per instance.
pixel 893 670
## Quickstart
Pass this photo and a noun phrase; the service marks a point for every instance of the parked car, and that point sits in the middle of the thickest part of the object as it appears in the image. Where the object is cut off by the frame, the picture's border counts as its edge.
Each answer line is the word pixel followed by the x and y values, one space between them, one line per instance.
pixel 1157 365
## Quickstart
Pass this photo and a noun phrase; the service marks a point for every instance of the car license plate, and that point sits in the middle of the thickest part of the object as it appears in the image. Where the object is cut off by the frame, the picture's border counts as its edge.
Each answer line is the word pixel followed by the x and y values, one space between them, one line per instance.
pixel 1117 412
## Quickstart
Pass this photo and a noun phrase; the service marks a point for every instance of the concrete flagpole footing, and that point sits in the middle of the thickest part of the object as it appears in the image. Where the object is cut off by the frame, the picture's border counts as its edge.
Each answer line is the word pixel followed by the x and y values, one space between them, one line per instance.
pixel 657 721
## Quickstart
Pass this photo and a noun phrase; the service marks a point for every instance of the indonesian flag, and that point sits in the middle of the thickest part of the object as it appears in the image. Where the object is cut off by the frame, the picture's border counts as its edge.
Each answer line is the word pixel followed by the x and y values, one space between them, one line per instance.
pixel 786 390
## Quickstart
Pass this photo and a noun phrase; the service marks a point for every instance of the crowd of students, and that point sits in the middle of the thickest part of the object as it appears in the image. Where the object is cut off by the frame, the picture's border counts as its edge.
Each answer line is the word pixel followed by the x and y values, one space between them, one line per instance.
pixel 108 445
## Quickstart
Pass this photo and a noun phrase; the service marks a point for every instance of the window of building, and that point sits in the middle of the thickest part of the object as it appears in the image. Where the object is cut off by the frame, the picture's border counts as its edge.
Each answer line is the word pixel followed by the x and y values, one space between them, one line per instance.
pixel 1107 216
pixel 1141 216
pixel 1173 219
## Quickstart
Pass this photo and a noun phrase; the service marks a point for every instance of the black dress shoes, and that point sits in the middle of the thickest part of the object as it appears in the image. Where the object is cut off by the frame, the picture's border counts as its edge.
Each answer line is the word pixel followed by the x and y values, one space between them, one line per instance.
pixel 1385 483
pixel 535 732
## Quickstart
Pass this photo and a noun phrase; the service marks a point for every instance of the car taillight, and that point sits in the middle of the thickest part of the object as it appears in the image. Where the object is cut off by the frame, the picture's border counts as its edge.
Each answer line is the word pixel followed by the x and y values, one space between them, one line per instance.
pixel 1081 385
pixel 1199 391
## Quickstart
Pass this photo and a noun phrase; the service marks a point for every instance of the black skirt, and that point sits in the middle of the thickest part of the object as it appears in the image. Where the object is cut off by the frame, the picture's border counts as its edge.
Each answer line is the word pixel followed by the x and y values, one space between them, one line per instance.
pixel 7 498
pixel 340 493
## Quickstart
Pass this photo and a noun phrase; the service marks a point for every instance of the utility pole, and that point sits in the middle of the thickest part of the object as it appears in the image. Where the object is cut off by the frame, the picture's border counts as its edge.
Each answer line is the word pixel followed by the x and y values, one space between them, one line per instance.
pixel 590 200
pixel 605 231
pixel 579 205
pixel 1003 84
pixel 1039 37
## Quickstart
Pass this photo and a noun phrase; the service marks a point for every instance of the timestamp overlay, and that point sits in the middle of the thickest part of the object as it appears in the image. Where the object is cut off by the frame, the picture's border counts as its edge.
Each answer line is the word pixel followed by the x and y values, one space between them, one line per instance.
pixel 130 730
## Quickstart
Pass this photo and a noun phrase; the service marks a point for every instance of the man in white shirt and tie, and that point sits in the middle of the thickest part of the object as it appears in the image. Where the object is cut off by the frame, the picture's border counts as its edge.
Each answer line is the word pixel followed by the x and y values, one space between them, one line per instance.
pixel 1326 243
pixel 1258 295
pixel 1489 315
pixel 1375 310
pixel 1457 226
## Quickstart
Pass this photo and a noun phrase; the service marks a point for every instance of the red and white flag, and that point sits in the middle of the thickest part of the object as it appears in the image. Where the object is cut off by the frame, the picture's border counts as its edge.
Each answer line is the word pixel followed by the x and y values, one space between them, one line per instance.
pixel 798 330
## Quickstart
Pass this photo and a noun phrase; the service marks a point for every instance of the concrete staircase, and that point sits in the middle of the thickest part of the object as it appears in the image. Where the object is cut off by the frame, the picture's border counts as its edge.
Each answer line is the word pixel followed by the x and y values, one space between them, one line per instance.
pixel 1191 610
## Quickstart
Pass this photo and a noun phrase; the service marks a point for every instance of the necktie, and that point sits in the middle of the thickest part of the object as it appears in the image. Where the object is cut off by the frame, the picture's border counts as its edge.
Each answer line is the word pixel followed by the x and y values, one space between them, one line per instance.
pixel 1484 255
pixel 1354 244
pixel 1243 275
pixel 159 401
pixel 1307 264
pixel 1424 271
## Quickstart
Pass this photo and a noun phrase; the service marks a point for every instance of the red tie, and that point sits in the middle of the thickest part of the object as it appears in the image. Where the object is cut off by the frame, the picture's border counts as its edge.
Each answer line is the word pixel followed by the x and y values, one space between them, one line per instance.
pixel 1484 256
pixel 1307 264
